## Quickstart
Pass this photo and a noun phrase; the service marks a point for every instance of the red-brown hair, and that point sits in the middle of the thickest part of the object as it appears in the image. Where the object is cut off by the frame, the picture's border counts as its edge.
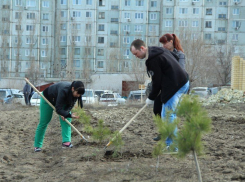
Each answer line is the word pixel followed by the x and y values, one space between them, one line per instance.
pixel 167 37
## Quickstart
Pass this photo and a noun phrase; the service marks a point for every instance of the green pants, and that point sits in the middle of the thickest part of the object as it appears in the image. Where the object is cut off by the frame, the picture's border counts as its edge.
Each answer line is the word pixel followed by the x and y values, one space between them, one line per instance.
pixel 46 112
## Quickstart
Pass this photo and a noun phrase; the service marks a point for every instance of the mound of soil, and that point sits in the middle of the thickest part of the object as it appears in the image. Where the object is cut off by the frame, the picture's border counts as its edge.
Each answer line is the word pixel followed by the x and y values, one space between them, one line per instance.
pixel 223 161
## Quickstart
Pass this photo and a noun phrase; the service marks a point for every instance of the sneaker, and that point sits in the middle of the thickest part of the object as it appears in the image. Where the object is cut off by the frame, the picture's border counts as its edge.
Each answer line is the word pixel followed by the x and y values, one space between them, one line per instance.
pixel 157 138
pixel 37 149
pixel 67 145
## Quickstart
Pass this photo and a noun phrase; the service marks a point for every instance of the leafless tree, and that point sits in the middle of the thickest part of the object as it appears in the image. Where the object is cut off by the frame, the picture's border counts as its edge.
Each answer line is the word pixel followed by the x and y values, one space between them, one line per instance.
pixel 112 61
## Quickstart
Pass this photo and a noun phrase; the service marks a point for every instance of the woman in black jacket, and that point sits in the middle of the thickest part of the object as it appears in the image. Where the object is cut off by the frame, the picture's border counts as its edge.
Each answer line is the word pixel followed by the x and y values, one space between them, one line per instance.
pixel 63 96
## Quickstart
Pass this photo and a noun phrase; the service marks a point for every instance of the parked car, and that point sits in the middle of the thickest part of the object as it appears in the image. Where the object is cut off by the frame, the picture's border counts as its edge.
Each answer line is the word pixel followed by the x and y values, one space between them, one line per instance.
pixel 19 99
pixel 112 99
pixel 89 97
pixel 99 93
pixel 204 92
pixel 137 95
pixel 6 96
pixel 35 99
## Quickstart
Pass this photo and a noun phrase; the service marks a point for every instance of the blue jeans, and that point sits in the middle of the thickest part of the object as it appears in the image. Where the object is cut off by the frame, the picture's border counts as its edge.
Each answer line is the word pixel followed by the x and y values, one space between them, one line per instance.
pixel 171 105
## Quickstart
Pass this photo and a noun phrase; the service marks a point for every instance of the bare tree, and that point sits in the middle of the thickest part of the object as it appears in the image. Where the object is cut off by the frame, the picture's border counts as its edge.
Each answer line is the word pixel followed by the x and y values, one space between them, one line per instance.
pixel 112 61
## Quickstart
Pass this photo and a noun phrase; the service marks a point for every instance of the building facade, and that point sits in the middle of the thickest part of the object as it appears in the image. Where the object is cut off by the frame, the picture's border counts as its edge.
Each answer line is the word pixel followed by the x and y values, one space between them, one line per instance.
pixel 78 38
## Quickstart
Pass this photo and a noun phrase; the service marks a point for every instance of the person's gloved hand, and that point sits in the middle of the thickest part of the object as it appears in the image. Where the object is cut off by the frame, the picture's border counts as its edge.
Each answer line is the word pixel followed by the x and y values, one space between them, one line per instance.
pixel 149 101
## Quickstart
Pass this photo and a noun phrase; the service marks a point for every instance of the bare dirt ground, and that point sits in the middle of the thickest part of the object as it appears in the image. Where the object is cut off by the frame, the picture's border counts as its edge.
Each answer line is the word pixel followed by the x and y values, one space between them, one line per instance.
pixel 224 159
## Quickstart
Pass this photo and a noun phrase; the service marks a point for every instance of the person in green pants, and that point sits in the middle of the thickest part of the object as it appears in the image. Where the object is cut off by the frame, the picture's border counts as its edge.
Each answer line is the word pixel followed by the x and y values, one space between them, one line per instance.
pixel 63 96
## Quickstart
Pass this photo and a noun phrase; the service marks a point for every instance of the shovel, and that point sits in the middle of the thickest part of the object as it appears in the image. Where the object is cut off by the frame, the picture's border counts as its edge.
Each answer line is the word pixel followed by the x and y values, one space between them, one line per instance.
pixel 54 109
pixel 128 123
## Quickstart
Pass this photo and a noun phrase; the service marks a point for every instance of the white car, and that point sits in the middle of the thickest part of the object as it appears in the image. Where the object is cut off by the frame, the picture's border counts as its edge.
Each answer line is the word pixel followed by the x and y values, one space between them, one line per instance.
pixel 89 97
pixel 112 99
pixel 19 99
pixel 35 99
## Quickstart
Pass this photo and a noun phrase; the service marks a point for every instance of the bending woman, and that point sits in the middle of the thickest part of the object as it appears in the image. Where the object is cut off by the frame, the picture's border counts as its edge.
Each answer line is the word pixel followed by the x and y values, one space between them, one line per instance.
pixel 63 96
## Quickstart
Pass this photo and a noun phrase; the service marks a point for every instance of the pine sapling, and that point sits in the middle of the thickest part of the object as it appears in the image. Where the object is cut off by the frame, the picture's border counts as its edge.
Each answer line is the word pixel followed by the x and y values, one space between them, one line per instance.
pixel 196 123
pixel 84 119
pixel 101 132
pixel 117 142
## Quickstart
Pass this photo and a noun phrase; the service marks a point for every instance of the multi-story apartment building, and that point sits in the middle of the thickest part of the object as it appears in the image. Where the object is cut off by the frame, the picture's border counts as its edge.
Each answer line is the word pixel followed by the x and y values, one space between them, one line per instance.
pixel 76 38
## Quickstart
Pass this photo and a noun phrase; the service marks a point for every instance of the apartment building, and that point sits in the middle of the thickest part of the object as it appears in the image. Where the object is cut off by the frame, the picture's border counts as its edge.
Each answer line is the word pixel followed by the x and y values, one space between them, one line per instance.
pixel 77 38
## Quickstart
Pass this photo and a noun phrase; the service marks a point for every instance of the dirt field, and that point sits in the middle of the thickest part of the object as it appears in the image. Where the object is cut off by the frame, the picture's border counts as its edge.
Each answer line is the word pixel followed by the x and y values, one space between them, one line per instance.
pixel 224 159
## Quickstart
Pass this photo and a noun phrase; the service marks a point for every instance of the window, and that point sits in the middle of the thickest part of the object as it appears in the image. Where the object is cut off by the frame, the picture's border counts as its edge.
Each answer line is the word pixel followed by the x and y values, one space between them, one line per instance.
pixel 153 3
pixel 43 53
pixel 27 52
pixel 44 41
pixel 222 15
pixel 224 3
pixel 195 11
pixel 100 52
pixel 139 2
pixel 169 11
pixel 45 28
pixel 138 15
pixel 221 29
pixel 88 2
pixel 126 28
pixel 76 63
pixel 31 3
pixel 208 24
pixel 168 23
pixel 77 2
pixel 126 40
pixel 17 27
pixel 138 28
pixel 114 7
pixel 152 41
pixel 88 14
pixel 30 27
pixel 45 4
pixel 153 16
pixel 101 2
pixel 101 40
pixel 63 14
pixel 194 23
pixel 100 64
pixel 236 11
pixel 127 15
pixel 77 74
pixel 16 40
pixel 101 15
pixel 195 0
pixel 76 38
pixel 18 2
pixel 76 26
pixel 5 19
pixel 237 1
pixel 63 64
pixel 45 16
pixel 88 51
pixel 236 24
pixel 30 15
pixel 183 23
pixel 29 40
pixel 63 2
pixel 5 32
pixel 193 36
pixel 114 19
pixel 101 27
pixel 17 15
pixel 209 11
pixel 63 38
pixel 208 36
pixel 88 26
pixel 127 2
pixel 63 26
pixel 76 14
pixel 183 10
pixel 88 39
pixel 152 28
pixel 77 51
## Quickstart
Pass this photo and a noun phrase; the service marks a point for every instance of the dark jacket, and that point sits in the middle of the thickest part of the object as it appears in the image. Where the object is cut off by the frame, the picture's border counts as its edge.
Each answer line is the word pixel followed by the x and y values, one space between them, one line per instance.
pixel 60 96
pixel 181 57
pixel 167 75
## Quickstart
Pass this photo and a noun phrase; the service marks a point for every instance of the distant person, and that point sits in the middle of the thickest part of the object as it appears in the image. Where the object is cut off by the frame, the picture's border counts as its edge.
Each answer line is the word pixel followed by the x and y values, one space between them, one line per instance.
pixel 32 92
pixel 62 96
pixel 168 78
pixel 27 92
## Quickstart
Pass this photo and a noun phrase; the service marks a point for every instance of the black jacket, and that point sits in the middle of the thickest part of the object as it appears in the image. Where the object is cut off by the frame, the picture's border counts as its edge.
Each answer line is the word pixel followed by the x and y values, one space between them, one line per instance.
pixel 167 75
pixel 60 96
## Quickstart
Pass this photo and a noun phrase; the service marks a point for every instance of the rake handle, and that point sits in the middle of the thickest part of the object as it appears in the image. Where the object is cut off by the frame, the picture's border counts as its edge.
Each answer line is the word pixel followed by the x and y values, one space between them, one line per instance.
pixel 73 127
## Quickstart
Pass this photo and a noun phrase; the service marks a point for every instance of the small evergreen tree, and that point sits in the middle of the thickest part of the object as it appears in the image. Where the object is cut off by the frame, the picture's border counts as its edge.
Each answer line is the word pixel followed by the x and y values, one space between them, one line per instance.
pixel 196 123
pixel 101 132
pixel 84 119
pixel 117 142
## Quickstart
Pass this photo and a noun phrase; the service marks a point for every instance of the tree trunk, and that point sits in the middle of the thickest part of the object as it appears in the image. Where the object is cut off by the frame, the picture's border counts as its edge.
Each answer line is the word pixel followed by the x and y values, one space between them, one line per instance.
pixel 197 166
